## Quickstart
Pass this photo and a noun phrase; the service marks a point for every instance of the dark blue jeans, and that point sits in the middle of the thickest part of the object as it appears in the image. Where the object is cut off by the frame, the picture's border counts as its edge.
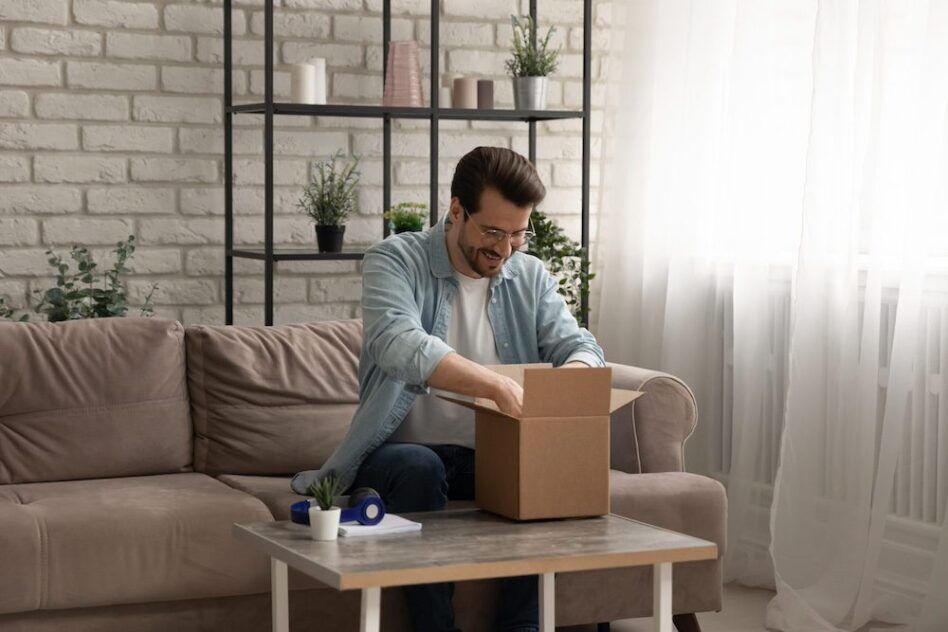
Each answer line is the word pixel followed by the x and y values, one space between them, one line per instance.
pixel 412 477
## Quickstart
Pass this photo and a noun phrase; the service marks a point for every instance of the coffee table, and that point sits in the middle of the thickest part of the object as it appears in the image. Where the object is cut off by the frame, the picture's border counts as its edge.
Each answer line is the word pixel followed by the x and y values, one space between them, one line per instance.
pixel 465 544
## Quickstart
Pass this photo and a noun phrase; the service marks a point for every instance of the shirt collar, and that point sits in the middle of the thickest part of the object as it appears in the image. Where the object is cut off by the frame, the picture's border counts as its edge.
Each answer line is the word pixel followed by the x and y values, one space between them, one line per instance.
pixel 440 261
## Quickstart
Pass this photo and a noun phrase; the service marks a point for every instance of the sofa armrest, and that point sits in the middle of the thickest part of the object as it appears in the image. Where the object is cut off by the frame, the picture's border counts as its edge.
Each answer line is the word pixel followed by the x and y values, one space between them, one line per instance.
pixel 649 436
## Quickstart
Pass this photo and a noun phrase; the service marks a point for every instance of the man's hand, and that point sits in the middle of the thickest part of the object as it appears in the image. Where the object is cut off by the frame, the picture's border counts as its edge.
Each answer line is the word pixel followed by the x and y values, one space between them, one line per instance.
pixel 508 395
pixel 575 364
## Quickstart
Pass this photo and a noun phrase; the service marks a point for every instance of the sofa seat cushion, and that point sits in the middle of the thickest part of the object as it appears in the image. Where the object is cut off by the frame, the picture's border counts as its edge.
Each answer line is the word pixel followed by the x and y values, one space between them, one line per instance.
pixel 276 494
pixel 125 540
pixel 687 503
pixel 273 491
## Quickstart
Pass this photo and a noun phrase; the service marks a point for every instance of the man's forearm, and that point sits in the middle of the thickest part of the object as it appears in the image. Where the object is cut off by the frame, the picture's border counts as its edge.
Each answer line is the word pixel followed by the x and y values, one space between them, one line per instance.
pixel 458 374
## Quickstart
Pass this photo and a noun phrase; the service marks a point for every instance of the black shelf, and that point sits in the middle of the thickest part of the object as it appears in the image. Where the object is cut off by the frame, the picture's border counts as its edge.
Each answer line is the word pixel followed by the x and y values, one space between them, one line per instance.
pixel 295 253
pixel 381 111
pixel 270 108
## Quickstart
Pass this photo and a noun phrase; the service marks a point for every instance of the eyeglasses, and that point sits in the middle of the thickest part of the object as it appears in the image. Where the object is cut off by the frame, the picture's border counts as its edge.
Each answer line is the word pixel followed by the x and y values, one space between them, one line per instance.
pixel 493 236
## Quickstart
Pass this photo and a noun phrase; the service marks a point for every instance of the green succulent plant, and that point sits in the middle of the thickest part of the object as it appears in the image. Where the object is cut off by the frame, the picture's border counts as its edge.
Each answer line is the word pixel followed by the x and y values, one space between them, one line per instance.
pixel 325 490
pixel 531 57
pixel 407 216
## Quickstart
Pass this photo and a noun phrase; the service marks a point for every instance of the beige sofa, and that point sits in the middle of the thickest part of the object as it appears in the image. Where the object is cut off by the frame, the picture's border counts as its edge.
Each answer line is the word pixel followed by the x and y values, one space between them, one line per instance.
pixel 128 447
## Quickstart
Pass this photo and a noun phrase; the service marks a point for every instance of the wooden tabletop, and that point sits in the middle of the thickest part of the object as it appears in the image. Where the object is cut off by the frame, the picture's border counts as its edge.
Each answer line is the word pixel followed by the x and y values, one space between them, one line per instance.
pixel 465 544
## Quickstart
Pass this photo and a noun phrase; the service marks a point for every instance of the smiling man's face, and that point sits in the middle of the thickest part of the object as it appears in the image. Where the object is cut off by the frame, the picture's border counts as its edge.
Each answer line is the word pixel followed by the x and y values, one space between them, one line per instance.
pixel 472 253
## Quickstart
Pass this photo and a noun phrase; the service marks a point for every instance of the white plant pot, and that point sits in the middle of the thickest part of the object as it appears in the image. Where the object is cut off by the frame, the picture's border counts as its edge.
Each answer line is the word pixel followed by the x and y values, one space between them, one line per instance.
pixel 324 523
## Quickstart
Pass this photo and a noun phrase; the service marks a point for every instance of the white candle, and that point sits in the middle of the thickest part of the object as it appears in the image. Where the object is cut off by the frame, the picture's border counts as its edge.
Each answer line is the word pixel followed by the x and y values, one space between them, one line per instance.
pixel 444 97
pixel 303 83
pixel 319 63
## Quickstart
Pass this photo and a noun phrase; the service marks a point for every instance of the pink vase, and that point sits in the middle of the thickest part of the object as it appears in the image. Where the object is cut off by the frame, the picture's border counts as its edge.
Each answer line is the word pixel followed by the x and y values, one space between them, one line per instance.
pixel 402 75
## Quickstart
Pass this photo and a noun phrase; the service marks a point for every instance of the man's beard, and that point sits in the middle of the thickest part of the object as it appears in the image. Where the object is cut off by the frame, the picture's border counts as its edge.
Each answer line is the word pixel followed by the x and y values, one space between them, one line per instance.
pixel 476 262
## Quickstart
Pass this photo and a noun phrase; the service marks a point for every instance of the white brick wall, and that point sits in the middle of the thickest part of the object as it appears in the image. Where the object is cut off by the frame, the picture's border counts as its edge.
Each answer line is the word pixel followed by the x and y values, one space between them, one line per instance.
pixel 111 124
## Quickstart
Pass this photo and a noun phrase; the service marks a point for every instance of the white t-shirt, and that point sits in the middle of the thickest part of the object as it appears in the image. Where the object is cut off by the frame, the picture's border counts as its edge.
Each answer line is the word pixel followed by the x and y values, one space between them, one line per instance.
pixel 432 420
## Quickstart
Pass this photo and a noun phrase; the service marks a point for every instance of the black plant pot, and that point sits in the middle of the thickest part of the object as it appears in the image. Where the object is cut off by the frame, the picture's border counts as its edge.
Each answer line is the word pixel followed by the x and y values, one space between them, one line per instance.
pixel 329 238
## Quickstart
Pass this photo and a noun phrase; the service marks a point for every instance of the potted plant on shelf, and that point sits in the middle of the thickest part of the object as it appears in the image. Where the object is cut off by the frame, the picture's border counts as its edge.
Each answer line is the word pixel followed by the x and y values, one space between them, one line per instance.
pixel 330 198
pixel 531 63
pixel 323 514
pixel 406 216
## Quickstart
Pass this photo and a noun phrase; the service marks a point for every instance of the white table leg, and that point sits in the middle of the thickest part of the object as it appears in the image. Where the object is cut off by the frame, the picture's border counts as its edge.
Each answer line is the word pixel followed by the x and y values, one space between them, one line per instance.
pixel 279 596
pixel 662 597
pixel 547 603
pixel 371 609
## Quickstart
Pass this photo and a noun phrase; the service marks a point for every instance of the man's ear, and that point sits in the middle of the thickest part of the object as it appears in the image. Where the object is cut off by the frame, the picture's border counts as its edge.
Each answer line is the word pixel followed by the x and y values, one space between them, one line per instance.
pixel 455 211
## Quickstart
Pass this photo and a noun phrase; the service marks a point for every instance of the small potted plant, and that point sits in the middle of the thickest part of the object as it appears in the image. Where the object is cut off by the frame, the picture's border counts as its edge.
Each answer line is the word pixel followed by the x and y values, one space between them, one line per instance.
pixel 330 198
pixel 407 216
pixel 323 514
pixel 532 61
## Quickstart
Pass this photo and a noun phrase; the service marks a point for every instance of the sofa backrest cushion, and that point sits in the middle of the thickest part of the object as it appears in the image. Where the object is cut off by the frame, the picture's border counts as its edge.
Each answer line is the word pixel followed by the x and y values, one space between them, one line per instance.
pixel 271 400
pixel 95 398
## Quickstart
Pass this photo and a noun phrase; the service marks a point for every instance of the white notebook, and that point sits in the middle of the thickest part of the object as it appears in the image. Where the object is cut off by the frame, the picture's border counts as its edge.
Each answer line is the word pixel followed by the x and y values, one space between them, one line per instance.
pixel 390 524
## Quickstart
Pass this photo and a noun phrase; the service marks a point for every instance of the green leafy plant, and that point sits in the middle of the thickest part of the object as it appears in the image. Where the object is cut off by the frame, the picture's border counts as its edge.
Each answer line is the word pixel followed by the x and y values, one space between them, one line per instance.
pixel 566 261
pixel 325 490
pixel 407 216
pixel 531 57
pixel 80 294
pixel 330 197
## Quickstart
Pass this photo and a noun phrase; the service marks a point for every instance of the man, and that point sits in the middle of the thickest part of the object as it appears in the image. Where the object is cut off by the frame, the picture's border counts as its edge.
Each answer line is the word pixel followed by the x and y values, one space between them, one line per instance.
pixel 436 307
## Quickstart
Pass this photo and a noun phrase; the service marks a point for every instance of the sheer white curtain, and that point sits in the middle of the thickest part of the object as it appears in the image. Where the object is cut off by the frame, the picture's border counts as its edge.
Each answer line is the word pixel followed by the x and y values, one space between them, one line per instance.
pixel 775 231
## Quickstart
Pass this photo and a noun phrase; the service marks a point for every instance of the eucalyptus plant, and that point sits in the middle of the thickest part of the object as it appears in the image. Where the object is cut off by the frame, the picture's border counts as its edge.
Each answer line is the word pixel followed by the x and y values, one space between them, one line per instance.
pixel 81 294
pixel 566 260
pixel 330 197
pixel 325 490
pixel 531 57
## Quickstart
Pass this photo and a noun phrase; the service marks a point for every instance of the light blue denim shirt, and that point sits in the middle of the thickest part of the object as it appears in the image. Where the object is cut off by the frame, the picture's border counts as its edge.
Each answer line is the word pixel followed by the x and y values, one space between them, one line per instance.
pixel 408 286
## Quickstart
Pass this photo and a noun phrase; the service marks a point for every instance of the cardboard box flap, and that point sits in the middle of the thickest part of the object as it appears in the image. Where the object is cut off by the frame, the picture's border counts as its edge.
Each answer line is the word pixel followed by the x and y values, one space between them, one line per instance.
pixel 621 398
pixel 566 391
pixel 479 403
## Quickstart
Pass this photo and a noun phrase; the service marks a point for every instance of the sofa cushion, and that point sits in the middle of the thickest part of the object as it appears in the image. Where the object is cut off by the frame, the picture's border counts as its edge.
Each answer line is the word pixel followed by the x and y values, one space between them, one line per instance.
pixel 92 399
pixel 125 540
pixel 271 400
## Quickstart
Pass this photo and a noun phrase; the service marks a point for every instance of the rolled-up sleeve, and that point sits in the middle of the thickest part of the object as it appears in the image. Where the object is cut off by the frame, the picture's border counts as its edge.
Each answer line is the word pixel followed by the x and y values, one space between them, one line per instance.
pixel 393 332
pixel 559 336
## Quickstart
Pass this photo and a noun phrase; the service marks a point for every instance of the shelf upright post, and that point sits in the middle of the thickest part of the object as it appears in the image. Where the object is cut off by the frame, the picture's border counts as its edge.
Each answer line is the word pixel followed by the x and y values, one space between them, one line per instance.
pixel 587 78
pixel 532 124
pixel 228 173
pixel 268 162
pixel 434 91
pixel 386 117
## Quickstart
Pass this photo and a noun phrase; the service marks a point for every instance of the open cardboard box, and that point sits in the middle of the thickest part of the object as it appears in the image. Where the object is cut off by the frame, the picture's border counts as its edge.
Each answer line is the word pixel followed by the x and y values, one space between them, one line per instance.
pixel 553 460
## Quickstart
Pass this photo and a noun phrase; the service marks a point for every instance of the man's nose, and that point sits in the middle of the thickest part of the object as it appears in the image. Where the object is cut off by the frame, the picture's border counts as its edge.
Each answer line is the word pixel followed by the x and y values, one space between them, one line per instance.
pixel 503 247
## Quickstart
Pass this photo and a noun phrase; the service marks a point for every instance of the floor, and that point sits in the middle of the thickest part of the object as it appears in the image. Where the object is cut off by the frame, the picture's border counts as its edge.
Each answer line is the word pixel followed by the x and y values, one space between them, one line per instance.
pixel 743 612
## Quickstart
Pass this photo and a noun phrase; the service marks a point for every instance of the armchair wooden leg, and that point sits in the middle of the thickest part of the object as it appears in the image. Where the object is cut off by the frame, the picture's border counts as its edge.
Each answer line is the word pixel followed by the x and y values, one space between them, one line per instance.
pixel 686 623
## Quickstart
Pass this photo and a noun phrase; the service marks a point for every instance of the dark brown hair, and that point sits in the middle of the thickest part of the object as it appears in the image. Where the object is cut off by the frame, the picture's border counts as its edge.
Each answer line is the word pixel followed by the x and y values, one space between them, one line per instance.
pixel 503 169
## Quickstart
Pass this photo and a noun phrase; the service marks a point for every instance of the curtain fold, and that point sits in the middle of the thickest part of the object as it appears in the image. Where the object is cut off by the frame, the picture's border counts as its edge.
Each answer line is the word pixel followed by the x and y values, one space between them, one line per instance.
pixel 775 232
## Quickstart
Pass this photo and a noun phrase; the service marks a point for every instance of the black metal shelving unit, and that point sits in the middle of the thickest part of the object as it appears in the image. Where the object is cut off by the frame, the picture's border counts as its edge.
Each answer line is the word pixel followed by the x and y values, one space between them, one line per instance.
pixel 268 254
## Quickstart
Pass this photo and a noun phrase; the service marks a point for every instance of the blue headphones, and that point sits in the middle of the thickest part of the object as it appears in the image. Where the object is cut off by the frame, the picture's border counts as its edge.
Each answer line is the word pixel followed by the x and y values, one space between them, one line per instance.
pixel 365 507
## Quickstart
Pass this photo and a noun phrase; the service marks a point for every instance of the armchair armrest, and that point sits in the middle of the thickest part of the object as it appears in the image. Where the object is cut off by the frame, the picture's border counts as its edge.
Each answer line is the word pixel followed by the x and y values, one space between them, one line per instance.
pixel 649 436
